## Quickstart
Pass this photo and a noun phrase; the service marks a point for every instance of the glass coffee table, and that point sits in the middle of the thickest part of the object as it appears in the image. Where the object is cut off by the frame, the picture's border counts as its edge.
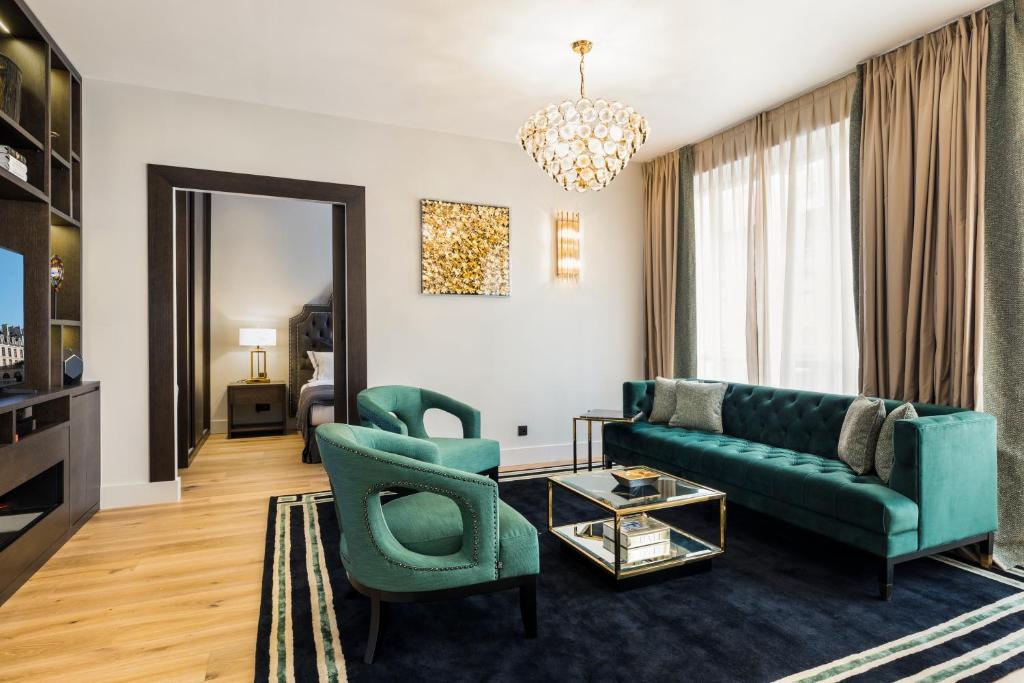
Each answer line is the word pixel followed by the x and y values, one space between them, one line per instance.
pixel 628 517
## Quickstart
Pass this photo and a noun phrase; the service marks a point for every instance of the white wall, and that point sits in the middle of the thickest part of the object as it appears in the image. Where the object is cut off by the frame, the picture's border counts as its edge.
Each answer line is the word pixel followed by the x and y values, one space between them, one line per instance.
pixel 534 358
pixel 268 257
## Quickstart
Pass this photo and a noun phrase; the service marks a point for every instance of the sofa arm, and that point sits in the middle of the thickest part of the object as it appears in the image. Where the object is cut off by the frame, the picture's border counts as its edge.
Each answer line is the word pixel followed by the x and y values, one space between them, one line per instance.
pixel 947 465
pixel 637 397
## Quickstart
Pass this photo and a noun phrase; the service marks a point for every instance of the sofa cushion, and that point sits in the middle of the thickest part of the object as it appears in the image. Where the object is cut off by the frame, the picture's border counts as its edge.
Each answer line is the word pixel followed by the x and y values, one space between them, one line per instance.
pixel 664 404
pixel 431 524
pixel 859 435
pixel 468 455
pixel 699 406
pixel 822 485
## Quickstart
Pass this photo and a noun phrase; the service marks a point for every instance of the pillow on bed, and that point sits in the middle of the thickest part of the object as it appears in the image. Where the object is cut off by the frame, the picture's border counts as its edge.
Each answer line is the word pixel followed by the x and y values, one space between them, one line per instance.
pixel 323 364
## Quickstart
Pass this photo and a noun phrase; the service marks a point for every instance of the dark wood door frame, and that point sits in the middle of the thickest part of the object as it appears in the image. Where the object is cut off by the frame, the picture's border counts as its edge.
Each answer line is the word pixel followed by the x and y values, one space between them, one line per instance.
pixel 349 268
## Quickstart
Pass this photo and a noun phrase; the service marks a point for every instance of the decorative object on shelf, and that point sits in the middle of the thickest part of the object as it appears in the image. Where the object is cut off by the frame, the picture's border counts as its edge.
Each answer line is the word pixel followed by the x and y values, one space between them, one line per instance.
pixel 464 248
pixel 73 367
pixel 583 145
pixel 257 337
pixel 56 281
pixel 10 88
pixel 13 161
pixel 567 246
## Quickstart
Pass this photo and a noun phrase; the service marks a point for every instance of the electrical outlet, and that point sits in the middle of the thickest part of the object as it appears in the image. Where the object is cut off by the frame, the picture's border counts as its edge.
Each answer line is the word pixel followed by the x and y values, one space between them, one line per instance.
pixel 522 430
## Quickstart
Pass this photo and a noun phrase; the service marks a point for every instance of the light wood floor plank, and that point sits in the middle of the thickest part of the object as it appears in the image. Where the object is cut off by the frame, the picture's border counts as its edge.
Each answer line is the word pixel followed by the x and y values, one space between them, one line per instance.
pixel 160 593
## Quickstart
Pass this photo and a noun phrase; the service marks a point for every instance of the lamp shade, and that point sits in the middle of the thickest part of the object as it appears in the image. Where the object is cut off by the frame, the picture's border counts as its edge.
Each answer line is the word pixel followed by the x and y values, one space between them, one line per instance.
pixel 257 336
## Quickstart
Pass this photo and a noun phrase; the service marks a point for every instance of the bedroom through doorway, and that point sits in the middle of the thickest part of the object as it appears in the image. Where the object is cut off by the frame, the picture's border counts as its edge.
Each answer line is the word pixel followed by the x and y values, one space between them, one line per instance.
pixel 267 301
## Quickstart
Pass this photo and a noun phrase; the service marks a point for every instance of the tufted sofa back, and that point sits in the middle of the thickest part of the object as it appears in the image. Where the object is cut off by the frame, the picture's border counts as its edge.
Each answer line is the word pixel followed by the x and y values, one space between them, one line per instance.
pixel 804 421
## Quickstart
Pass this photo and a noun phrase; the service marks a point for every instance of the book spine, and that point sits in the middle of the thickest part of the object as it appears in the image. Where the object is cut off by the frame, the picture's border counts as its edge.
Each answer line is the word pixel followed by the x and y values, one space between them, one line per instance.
pixel 628 541
pixel 641 553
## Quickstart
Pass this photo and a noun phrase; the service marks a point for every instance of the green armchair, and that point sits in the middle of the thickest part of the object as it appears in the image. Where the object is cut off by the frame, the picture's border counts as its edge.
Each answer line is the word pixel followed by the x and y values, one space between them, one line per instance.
pixel 450 539
pixel 400 410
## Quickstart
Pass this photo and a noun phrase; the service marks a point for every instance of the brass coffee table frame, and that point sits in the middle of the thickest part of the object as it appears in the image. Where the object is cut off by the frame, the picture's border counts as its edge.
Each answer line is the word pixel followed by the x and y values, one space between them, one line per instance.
pixel 616 568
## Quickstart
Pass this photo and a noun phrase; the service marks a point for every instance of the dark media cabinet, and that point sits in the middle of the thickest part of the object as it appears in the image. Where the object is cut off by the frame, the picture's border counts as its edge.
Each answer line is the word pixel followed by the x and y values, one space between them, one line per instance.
pixel 49 477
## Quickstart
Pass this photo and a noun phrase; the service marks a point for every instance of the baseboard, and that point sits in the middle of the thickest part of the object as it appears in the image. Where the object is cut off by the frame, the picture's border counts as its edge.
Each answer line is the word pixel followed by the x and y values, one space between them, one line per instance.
pixel 530 455
pixel 147 493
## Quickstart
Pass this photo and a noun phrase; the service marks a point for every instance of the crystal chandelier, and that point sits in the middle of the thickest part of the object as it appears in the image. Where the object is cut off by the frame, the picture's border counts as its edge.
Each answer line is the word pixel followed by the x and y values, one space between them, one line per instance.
pixel 583 145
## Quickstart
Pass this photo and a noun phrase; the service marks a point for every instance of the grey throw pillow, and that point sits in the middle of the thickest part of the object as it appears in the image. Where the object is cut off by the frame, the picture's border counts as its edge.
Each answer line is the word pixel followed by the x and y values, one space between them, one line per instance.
pixel 699 406
pixel 885 451
pixel 664 400
pixel 859 434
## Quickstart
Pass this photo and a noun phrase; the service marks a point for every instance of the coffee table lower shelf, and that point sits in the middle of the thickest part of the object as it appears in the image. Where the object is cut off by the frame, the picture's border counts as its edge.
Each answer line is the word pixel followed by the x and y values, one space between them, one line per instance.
pixel 587 539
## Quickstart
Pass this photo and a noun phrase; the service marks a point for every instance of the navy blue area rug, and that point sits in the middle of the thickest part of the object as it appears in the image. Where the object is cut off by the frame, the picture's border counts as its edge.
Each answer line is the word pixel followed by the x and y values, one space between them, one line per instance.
pixel 780 604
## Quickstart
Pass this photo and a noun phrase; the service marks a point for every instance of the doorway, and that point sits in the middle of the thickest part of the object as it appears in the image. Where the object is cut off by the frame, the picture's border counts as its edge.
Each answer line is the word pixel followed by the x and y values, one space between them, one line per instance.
pixel 183 192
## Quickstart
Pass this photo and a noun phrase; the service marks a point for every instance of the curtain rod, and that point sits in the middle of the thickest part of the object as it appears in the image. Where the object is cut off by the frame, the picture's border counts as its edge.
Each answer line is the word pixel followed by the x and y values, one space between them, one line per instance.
pixel 941 26
pixel 834 78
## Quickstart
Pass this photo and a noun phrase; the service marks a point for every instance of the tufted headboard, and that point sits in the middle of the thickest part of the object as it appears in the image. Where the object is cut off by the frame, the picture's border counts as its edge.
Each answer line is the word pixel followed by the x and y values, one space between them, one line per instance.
pixel 310 330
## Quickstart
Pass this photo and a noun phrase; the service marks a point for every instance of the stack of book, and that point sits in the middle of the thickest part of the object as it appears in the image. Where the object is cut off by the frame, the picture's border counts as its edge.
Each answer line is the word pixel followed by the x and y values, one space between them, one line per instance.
pixel 14 162
pixel 641 539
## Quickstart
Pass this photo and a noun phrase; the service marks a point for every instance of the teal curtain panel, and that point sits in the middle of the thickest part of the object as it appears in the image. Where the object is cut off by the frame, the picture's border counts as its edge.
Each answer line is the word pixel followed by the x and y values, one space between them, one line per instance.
pixel 1004 267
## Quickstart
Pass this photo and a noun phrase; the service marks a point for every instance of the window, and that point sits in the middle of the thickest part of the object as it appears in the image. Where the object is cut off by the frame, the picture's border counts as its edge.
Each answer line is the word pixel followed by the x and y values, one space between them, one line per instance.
pixel 774 280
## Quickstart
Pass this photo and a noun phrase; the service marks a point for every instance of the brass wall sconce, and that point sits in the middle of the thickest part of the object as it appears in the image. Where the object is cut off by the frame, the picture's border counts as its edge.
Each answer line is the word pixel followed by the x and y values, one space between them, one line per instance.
pixel 567 246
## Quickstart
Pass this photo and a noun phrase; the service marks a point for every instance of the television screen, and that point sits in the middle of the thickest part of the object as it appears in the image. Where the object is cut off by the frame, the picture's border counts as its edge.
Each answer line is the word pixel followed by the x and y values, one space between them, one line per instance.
pixel 12 318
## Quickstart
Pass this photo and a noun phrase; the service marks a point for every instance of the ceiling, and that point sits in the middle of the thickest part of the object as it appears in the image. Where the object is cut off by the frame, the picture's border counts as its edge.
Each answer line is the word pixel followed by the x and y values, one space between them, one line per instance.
pixel 480 67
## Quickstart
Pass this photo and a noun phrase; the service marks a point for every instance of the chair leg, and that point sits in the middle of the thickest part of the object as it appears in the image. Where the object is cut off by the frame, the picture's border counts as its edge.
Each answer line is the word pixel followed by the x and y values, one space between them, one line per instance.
pixel 528 606
pixel 987 548
pixel 885 573
pixel 377 611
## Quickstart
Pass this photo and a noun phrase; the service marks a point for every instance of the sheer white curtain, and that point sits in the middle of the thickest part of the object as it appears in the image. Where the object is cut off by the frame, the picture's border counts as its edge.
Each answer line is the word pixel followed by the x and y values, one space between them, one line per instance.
pixel 722 183
pixel 774 250
pixel 811 341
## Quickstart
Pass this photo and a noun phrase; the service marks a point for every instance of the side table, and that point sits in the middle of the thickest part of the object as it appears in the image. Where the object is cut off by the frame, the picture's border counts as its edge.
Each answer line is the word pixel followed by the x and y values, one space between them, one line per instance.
pixel 590 417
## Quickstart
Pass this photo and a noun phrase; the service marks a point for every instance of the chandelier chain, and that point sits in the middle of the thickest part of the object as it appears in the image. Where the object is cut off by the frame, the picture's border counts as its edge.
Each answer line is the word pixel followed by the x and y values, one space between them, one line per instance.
pixel 583 95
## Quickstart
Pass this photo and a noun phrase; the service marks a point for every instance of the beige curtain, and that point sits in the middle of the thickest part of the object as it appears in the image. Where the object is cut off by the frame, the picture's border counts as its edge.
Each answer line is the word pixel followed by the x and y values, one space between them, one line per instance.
pixel 774 248
pixel 922 218
pixel 661 218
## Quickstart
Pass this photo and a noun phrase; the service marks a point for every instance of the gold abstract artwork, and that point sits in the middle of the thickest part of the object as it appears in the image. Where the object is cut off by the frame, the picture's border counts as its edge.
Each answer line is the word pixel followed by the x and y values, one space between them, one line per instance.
pixel 465 248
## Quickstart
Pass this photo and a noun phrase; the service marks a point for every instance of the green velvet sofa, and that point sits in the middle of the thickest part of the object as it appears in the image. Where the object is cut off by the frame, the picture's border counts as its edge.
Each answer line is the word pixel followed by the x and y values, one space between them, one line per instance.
pixel 777 455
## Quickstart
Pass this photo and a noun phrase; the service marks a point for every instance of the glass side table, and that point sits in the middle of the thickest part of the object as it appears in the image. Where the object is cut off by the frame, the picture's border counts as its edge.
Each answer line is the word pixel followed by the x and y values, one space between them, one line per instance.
pixel 590 417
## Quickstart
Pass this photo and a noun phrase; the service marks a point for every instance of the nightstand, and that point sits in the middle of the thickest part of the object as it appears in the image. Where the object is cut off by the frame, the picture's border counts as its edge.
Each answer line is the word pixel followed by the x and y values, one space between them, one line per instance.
pixel 257 409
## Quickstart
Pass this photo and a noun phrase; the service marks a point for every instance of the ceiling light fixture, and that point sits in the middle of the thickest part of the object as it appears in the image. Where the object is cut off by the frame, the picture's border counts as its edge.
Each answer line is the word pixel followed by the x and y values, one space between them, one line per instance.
pixel 583 145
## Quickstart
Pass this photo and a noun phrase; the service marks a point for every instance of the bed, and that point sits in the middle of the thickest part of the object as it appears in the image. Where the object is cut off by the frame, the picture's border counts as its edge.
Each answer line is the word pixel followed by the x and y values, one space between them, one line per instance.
pixel 310 401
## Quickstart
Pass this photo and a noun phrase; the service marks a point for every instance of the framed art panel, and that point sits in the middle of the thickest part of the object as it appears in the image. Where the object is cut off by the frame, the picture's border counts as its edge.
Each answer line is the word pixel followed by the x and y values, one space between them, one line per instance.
pixel 465 248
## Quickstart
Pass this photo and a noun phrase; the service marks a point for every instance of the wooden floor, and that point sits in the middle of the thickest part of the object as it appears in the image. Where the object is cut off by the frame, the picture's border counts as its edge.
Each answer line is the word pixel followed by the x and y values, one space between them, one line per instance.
pixel 160 593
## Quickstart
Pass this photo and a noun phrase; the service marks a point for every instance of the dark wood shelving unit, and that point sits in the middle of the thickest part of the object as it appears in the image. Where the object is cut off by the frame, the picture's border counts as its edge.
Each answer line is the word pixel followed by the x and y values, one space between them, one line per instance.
pixel 41 217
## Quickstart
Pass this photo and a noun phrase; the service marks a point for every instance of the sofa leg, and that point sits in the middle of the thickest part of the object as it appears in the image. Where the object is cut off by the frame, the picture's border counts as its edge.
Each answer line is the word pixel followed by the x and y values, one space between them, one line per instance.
pixel 885 572
pixel 377 611
pixel 528 606
pixel 986 550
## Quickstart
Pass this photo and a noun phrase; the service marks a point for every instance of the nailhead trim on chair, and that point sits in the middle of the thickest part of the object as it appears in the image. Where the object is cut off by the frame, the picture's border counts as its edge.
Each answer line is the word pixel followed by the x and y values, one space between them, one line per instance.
pixel 366 509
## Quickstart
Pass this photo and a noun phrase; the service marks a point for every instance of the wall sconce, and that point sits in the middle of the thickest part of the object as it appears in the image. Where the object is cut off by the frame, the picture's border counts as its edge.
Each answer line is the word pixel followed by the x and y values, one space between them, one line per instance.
pixel 567 246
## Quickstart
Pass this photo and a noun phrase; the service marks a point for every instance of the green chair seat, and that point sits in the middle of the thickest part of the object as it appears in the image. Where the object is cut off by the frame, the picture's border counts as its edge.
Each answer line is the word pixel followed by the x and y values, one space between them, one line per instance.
pixel 822 485
pixel 429 524
pixel 468 455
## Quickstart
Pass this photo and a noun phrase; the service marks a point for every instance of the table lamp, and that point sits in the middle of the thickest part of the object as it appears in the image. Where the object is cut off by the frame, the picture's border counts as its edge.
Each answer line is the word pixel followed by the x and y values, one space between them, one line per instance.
pixel 258 337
